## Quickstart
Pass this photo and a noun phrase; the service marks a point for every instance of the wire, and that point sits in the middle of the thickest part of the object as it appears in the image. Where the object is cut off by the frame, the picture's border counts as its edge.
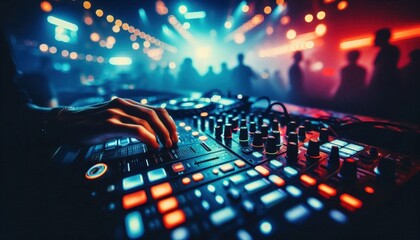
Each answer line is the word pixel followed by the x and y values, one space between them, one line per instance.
pixel 261 98
pixel 376 123
pixel 286 113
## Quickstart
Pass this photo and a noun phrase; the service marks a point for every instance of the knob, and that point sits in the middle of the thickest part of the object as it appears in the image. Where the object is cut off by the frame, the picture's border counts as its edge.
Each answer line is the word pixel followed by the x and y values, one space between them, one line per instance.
pixel 277 137
pixel 271 116
pixel 223 117
pixel 373 152
pixel 301 133
pixel 235 123
pixel 251 117
pixel 386 168
pixel 348 171
pixel 291 127
pixel 229 118
pixel 257 141
pixel 243 122
pixel 323 135
pixel 275 125
pixel 218 130
pixel 228 131
pixel 270 147
pixel 243 134
pixel 260 120
pixel 252 127
pixel 312 153
pixel 334 158
pixel 195 121
pixel 220 122
pixel 292 137
pixel 292 152
pixel 264 131
pixel 203 117
pixel 211 123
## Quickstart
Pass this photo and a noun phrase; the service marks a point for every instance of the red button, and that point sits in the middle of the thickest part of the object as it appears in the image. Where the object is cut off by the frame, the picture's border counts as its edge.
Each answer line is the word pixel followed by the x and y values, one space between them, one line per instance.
pixel 174 219
pixel 350 202
pixel 167 205
pixel 134 199
pixel 186 181
pixel 178 167
pixel 308 180
pixel 326 190
pixel 161 190
pixel 369 190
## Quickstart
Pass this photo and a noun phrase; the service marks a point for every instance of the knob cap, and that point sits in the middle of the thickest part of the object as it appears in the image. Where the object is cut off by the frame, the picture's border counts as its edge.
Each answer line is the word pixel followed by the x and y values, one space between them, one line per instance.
pixel 386 168
pixel 243 122
pixel 323 135
pixel 277 137
pixel 220 122
pixel 235 124
pixel 264 131
pixel 257 142
pixel 203 117
pixel 313 148
pixel 275 125
pixel 334 158
pixel 292 152
pixel 302 133
pixel 260 120
pixel 195 121
pixel 228 131
pixel 251 117
pixel 348 171
pixel 252 127
pixel 270 147
pixel 291 127
pixel 218 130
pixel 211 123
pixel 243 134
pixel 292 137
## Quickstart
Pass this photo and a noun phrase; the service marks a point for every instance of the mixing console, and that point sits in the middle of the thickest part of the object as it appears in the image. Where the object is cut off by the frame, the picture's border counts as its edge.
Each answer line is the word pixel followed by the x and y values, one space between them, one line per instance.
pixel 239 173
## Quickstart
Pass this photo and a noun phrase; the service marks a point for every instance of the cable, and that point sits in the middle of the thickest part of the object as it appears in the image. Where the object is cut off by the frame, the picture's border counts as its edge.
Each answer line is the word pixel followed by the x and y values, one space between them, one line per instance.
pixel 286 113
pixel 261 98
pixel 376 123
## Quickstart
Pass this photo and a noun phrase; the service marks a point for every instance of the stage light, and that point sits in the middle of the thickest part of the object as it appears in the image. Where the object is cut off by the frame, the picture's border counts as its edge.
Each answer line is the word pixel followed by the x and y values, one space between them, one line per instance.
pixel 269 30
pixel 309 18
pixel 53 50
pixel 110 18
pixel 320 30
pixel 46 6
pixel 309 44
pixel 291 34
pixel 195 15
pixel 65 53
pixel 43 47
pixel 280 2
pixel 186 25
pixel 161 9
pixel 116 29
pixel 95 37
pixel 329 72
pixel 267 10
pixel 62 23
pixel 203 52
pixel 342 5
pixel 135 46
pixel 118 23
pixel 182 9
pixel 99 13
pixel 239 38
pixel 88 20
pixel 111 40
pixel 245 8
pixel 328 1
pixel 87 5
pixel 146 44
pixel 228 24
pixel 109 45
pixel 172 65
pixel 73 55
pixel 320 15
pixel 316 66
pixel 120 61
pixel 285 20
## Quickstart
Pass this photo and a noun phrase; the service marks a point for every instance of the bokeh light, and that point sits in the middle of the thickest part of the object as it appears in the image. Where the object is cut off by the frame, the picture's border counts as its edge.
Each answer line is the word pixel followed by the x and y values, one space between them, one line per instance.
pixel 245 8
pixel 95 37
pixel 43 47
pixel 321 29
pixel 321 15
pixel 87 5
pixel 342 5
pixel 309 18
pixel 110 18
pixel 99 13
pixel 88 20
pixel 291 34
pixel 267 10
pixel 285 20
pixel 46 6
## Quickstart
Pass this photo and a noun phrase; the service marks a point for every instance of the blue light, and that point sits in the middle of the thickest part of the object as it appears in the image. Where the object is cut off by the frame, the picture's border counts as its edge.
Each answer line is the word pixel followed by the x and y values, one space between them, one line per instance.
pixel 315 203
pixel 143 16
pixel 120 61
pixel 265 228
pixel 62 23
pixel 134 225
pixel 338 216
pixel 195 15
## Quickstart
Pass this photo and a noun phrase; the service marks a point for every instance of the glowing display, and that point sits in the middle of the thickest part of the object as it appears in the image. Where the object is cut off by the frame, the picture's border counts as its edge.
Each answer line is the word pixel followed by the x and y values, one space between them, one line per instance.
pixel 195 15
pixel 120 61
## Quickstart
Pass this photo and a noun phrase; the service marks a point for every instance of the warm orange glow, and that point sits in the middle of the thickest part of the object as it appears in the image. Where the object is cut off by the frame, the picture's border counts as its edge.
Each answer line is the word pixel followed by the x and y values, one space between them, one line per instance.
pixel 269 30
pixel 350 202
pixel 342 5
pixel 204 114
pixel 102 43
pixel 46 6
pixel 99 13
pixel 321 15
pixel 95 37
pixel 280 2
pixel 88 20
pixel 134 199
pixel 320 30
pixel 285 20
pixel 116 29
pixel 406 34
pixel 87 5
pixel 362 42
pixel 245 8
pixel 262 170
pixel 73 55
pixel 326 190
pixel 174 219
pixel 118 23
pixel 125 26
pixel 369 190
pixel 291 34
pixel 110 18
pixel 309 18
pixel 167 205
pixel 43 47
pixel 267 10
pixel 53 50
pixel 100 59
pixel 111 40
pixel 308 180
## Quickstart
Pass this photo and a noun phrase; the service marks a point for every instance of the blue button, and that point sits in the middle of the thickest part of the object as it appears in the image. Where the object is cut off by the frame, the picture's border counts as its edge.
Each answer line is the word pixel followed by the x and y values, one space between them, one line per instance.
pixel 156 174
pixel 338 216
pixel 134 140
pixel 134 225
pixel 294 191
pixel 273 197
pixel 252 173
pixel 297 214
pixel 290 171
pixel 326 147
pixel 339 142
pixel 132 182
pixel 355 147
pixel 315 203
pixel 257 155
pixel 219 199
pixel 243 235
pixel 98 147
pixel 111 143
pixel 347 151
pixel 180 233
pixel 275 164
pixel 123 141
pixel 236 179
pixel 255 185
pixel 222 216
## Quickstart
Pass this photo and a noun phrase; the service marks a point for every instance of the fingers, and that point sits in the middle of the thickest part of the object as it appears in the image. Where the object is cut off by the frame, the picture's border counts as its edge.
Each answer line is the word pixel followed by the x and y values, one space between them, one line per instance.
pixel 136 131
pixel 129 119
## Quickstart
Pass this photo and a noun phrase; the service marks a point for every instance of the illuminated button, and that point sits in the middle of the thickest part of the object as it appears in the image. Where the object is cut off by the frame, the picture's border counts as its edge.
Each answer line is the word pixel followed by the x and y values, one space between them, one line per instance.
pixel 205 205
pixel 239 163
pixel 255 186
pixel 338 216
pixel 181 124
pixel 225 183
pixel 134 199
pixel 294 191
pixel 203 138
pixel 326 147
pixel 211 188
pixel 297 214
pixel 180 233
pixel 266 228
pixel 156 175
pixel 96 171
pixel 132 182
pixel 215 171
pixel 252 173
pixel 273 197
pixel 275 164
pixel 174 219
pixel 219 199
pixel 227 167
pixel 110 188
pixel 339 142
pixel 134 225
pixel 257 155
pixel 237 179
pixel 198 177
pixel 123 141
pixel 195 133
pixel 350 202
pixel 345 152
pixel 197 193
pixel 111 144
pixel 161 190
pixel 369 190
pixel 307 180
pixel 187 128
pixel 262 170
pixel 234 193
pixel 178 167
pixel 134 140
pixel 355 147
pixel 222 216
pixel 167 205
pixel 243 235
pixel 290 171
pixel 277 180
pixel 315 203
pixel 326 190
pixel 186 181
pixel 248 206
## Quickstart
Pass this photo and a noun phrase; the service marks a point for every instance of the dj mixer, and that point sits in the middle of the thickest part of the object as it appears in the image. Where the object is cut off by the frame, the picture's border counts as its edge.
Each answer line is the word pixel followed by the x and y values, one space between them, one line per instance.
pixel 238 172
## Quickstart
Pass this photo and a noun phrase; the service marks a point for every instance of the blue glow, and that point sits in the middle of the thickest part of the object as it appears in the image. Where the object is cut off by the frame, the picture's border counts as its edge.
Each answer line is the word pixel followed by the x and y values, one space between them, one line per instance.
pixel 290 171
pixel 62 23
pixel 277 11
pixel 156 174
pixel 315 203
pixel 195 15
pixel 265 228
pixel 120 61
pixel 182 9
pixel 238 9
pixel 143 16
pixel 294 191
pixel 338 216
pixel 132 182
pixel 134 225
pixel 297 214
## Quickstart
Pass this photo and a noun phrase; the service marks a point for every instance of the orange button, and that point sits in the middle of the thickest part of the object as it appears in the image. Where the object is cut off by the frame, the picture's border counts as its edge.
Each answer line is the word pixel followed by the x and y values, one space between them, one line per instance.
pixel 326 190
pixel 239 163
pixel 308 180
pixel 167 205
pixel 203 138
pixel 134 199
pixel 262 170
pixel 226 167
pixel 277 180
pixel 369 190
pixel 350 202
pixel 178 167
pixel 215 171
pixel 197 177
pixel 186 181
pixel 161 190
pixel 174 219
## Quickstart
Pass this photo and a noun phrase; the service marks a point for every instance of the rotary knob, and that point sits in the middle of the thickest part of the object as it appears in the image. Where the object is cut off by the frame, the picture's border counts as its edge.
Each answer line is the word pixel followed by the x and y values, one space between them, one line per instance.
pixel 264 131
pixel 243 122
pixel 275 125
pixel 292 137
pixel 228 131
pixel 252 127
pixel 277 137
pixel 211 123
pixel 333 158
pixel 312 153
pixel 292 152
pixel 348 171
pixel 218 130
pixel 302 133
pixel 243 134
pixel 257 142
pixel 270 147
pixel 323 135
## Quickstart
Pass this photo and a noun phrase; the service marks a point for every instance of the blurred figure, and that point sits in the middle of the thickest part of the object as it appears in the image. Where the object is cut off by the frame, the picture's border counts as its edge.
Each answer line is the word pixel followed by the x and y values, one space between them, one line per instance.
pixel 352 81
pixel 384 83
pixel 241 77
pixel 188 77
pixel 410 76
pixel 296 92
pixel 224 78
pixel 278 85
pixel 167 79
pixel 210 79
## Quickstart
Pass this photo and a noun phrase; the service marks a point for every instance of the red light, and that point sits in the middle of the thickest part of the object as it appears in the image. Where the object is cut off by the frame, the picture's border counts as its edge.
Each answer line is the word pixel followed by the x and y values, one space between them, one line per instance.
pixel 46 6
pixel 350 202
pixel 328 72
pixel 369 190
pixel 342 5
pixel 308 180
pixel 326 190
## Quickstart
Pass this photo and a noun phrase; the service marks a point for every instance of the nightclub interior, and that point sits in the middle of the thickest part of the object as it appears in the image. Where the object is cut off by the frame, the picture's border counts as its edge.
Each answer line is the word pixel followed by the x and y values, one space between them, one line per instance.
pixel 221 119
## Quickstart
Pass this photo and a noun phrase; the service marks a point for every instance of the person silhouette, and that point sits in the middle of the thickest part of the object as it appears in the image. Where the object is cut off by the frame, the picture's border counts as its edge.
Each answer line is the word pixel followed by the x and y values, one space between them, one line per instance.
pixel 384 80
pixel 242 75
pixel 296 92
pixel 352 83
pixel 210 79
pixel 223 78
pixel 188 76
pixel 410 76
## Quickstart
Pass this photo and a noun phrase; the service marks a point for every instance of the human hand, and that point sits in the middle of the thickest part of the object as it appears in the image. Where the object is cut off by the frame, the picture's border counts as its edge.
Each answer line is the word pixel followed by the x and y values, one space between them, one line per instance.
pixel 117 118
